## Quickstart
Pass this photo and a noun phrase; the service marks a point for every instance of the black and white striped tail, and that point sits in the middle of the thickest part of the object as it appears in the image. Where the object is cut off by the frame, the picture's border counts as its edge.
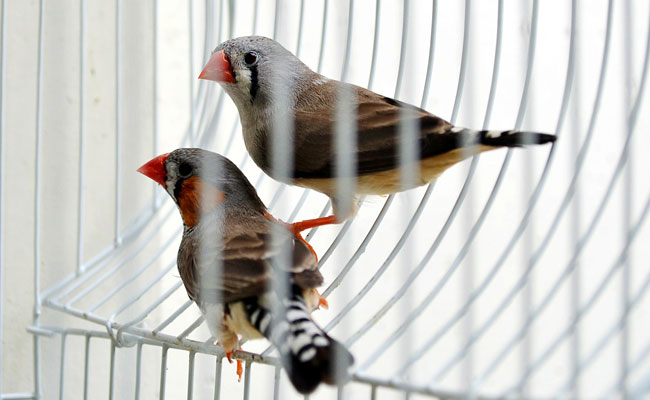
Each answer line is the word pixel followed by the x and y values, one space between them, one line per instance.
pixel 308 354
pixel 510 138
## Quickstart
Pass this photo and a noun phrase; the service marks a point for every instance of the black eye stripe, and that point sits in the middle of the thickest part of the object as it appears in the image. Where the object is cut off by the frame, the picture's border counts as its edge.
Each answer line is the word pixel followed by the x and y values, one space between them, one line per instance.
pixel 177 188
pixel 254 83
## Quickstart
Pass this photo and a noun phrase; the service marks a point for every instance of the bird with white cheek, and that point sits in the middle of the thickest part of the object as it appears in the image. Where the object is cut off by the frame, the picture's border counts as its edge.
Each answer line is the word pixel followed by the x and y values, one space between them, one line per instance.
pixel 268 83
pixel 234 256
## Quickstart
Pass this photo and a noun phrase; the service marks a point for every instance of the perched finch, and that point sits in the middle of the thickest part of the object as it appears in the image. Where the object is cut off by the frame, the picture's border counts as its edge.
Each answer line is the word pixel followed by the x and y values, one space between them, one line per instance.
pixel 229 258
pixel 268 83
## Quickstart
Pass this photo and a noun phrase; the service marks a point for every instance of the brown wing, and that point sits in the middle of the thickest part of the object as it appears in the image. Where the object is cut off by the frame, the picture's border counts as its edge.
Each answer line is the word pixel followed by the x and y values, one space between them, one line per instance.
pixel 378 133
pixel 242 264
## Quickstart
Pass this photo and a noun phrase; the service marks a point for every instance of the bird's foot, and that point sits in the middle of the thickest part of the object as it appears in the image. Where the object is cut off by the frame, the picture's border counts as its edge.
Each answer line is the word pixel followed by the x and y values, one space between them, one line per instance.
pixel 299 236
pixel 322 301
pixel 240 369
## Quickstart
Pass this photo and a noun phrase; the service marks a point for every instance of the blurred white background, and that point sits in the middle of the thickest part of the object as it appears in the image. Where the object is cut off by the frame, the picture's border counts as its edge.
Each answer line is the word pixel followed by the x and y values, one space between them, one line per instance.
pixel 41 220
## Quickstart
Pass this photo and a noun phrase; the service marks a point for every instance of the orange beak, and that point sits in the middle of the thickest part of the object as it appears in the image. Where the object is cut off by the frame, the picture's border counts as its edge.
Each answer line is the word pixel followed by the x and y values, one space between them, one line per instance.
pixel 218 68
pixel 155 169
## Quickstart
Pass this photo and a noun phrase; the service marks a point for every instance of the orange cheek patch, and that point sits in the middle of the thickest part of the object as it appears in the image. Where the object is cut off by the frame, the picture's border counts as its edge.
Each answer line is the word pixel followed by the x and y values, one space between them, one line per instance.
pixel 198 197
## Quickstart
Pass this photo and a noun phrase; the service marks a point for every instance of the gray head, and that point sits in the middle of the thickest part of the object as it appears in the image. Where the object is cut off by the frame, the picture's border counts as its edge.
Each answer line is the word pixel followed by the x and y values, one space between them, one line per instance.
pixel 255 70
pixel 199 180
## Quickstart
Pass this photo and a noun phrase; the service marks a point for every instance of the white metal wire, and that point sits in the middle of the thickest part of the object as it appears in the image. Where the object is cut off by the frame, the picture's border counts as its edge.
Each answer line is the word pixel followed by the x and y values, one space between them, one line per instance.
pixel 2 174
pixel 127 297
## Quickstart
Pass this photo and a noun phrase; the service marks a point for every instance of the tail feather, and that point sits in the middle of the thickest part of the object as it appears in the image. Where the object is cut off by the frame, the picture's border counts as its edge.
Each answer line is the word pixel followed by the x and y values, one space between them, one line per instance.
pixel 511 138
pixel 309 355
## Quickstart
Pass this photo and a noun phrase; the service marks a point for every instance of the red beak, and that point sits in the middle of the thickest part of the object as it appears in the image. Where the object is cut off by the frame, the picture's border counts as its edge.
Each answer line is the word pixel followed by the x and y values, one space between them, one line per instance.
pixel 218 68
pixel 155 169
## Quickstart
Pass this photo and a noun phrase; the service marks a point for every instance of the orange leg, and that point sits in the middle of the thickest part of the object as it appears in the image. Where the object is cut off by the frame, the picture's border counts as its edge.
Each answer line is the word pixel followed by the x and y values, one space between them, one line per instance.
pixel 240 369
pixel 300 226
pixel 322 301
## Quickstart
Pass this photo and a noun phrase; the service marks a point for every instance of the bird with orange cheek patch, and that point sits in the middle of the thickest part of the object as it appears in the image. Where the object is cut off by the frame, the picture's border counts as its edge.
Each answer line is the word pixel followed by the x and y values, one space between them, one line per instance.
pixel 233 258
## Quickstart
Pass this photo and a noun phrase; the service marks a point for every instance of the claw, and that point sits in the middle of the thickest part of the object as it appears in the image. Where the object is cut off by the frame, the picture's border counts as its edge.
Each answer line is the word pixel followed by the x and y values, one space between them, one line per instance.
pixel 322 301
pixel 240 369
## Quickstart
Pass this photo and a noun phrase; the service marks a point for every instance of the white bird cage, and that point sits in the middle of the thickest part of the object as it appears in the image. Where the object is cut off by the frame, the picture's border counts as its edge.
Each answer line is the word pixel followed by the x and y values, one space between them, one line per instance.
pixel 522 273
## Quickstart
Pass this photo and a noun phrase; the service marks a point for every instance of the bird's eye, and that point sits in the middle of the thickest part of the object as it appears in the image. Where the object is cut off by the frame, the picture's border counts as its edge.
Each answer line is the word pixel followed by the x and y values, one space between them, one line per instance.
pixel 250 58
pixel 184 170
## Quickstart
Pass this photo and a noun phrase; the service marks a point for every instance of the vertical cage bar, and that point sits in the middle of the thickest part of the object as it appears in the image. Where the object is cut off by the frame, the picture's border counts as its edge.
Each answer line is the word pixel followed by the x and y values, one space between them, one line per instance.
pixel 348 42
pixel 375 43
pixel 281 160
pixel 255 16
pixel 138 371
pixel 82 132
pixel 163 372
pixel 2 175
pixel 118 118
pixel 190 375
pixel 301 18
pixel 276 383
pixel 532 47
pixel 345 130
pixel 190 12
pixel 627 197
pixel 409 169
pixel 247 380
pixel 111 379
pixel 62 367
pixel 217 378
pixel 526 303
pixel 467 273
pixel 276 19
pixel 204 93
pixel 154 96
pixel 231 17
pixel 496 67
pixel 86 365
pixel 402 58
pixel 321 54
pixel 575 224
pixel 37 203
pixel 463 66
